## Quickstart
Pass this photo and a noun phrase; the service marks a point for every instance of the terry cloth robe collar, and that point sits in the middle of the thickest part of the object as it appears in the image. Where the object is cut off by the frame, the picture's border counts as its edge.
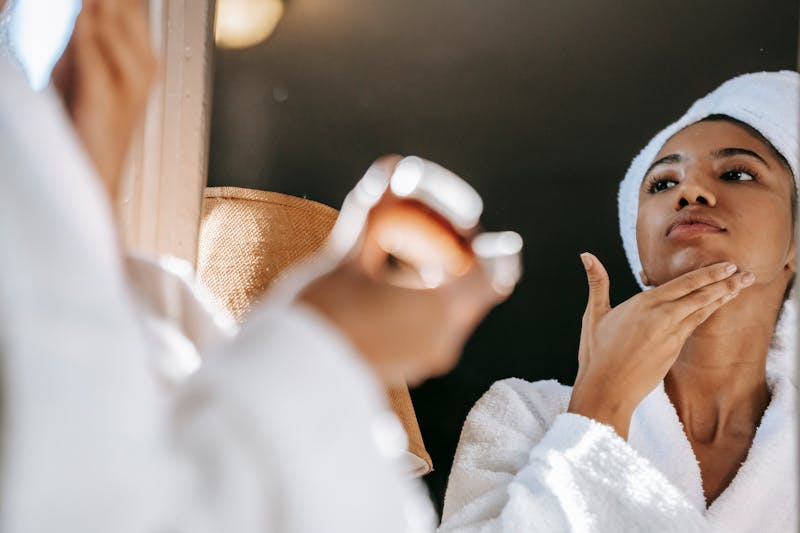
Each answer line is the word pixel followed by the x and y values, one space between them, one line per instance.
pixel 764 482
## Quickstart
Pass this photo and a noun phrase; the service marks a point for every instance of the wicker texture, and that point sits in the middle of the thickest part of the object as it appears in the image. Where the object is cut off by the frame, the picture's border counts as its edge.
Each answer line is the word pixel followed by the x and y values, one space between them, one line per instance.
pixel 248 238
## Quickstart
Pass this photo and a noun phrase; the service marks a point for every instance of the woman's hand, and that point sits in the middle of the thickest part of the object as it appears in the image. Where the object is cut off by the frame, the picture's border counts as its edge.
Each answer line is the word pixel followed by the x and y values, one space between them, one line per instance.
pixel 404 324
pixel 104 78
pixel 403 332
pixel 627 350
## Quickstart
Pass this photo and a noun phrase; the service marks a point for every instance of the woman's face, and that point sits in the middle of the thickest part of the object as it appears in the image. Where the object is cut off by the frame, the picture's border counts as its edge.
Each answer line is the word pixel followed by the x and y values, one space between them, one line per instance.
pixel 716 192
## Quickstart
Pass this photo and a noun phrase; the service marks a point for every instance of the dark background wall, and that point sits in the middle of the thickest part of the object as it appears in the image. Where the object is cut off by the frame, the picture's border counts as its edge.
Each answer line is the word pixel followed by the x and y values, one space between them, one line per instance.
pixel 541 105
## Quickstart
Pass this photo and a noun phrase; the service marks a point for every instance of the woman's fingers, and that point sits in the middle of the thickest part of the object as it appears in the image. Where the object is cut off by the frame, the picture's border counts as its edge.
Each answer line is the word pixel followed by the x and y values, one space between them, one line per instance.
pixel 406 241
pixel 710 294
pixel 694 319
pixel 105 80
pixel 691 281
pixel 124 38
pixel 597 277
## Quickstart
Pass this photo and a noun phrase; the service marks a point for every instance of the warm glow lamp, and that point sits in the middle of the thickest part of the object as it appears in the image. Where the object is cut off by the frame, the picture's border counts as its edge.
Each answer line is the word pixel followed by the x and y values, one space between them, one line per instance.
pixel 243 23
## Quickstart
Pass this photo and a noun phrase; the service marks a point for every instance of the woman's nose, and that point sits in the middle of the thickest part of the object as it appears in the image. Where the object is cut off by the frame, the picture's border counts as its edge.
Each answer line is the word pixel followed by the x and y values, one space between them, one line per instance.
pixel 694 191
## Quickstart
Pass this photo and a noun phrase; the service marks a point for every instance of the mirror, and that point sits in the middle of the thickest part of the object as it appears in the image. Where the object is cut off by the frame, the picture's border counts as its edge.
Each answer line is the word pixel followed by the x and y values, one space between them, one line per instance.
pixel 541 106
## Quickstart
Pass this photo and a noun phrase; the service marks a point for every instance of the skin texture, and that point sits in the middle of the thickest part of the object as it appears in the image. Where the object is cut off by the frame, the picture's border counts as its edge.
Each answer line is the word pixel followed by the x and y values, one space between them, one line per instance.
pixel 104 77
pixel 703 331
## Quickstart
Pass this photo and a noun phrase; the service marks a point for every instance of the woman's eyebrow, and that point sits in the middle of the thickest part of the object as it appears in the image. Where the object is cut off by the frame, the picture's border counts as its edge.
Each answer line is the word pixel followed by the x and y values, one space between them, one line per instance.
pixel 728 152
pixel 671 158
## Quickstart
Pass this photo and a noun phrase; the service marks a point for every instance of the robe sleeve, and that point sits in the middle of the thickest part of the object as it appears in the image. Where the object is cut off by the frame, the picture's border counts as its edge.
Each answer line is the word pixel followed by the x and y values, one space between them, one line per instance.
pixel 284 431
pixel 277 432
pixel 524 465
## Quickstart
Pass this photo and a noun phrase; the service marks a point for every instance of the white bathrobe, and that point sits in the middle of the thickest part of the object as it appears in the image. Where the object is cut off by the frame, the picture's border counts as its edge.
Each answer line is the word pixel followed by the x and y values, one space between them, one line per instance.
pixel 523 465
pixel 283 429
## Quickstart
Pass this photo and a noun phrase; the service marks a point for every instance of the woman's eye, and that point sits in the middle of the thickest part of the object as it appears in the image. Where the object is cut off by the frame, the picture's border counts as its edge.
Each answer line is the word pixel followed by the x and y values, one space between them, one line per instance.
pixel 662 185
pixel 737 175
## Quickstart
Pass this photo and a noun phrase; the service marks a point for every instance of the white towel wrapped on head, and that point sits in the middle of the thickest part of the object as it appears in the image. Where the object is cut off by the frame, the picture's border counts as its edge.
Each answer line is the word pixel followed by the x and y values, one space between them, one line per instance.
pixel 767 101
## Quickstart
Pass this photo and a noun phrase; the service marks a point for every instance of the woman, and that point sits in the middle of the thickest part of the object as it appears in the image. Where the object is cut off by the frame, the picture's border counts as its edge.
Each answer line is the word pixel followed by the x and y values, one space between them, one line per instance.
pixel 682 414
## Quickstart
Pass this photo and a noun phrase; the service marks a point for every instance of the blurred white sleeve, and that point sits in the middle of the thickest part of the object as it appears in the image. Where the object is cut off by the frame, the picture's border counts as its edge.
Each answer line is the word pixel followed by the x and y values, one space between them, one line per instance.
pixel 84 433
pixel 281 430
pixel 286 427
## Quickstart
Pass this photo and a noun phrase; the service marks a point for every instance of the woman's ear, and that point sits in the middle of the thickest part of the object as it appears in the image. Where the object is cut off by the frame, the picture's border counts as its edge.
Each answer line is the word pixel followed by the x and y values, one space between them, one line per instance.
pixel 644 278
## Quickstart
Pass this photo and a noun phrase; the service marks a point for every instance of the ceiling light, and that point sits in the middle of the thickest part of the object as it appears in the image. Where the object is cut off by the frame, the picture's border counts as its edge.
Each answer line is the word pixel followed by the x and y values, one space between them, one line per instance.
pixel 243 23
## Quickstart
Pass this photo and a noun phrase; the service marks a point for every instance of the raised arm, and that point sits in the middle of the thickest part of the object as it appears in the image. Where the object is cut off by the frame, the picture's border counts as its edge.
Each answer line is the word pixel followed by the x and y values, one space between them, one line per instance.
pixel 524 464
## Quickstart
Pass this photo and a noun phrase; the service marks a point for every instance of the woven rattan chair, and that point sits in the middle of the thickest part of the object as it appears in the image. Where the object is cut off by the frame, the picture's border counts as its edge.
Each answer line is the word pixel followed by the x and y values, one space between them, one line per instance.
pixel 247 238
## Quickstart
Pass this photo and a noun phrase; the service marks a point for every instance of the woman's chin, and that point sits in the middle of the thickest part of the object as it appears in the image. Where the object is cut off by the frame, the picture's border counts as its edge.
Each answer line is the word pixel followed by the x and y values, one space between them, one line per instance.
pixel 685 263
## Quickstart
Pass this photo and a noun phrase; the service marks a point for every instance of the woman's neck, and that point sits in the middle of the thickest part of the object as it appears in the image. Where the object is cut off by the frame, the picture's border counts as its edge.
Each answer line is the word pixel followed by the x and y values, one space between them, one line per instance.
pixel 718 384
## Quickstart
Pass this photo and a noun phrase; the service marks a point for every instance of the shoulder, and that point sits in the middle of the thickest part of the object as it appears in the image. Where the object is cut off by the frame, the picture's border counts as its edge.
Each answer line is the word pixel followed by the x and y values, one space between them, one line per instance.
pixel 545 396
pixel 498 435
pixel 516 407
pixel 513 397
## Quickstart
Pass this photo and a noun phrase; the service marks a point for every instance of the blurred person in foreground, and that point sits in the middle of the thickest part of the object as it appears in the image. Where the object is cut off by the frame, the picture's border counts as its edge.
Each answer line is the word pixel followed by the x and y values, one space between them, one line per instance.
pixel 281 428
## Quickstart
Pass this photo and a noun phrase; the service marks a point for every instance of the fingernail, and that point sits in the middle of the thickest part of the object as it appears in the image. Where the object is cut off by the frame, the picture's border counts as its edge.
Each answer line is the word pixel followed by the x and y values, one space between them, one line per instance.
pixel 586 259
pixel 748 278
pixel 730 268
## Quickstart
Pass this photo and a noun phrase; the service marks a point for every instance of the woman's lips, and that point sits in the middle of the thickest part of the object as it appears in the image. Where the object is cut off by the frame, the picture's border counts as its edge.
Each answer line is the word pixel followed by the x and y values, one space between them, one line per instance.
pixel 691 230
pixel 691 223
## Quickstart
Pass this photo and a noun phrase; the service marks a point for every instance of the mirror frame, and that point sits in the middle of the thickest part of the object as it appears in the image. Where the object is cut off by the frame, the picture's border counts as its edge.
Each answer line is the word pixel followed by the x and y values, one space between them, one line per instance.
pixel 162 192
